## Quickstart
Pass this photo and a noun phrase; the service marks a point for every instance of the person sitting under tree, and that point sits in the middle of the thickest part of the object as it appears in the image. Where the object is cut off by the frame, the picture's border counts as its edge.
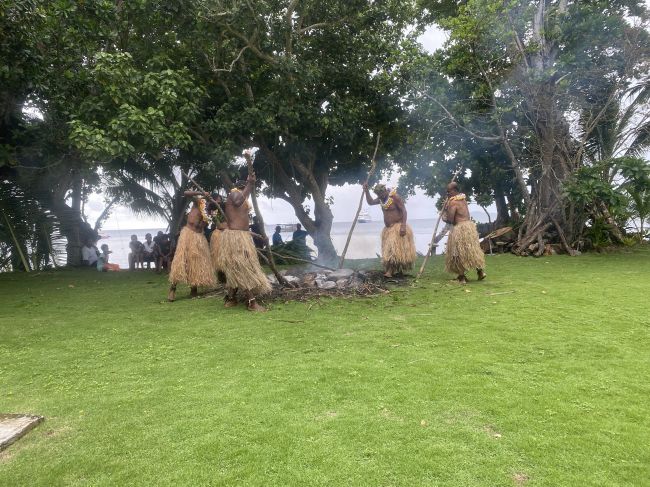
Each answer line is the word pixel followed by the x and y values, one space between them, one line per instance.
pixel 137 253
pixel 237 256
pixel 300 234
pixel 89 253
pixel 256 229
pixel 103 264
pixel 192 264
pixel 162 251
pixel 397 241
pixel 463 247
pixel 277 238
pixel 148 251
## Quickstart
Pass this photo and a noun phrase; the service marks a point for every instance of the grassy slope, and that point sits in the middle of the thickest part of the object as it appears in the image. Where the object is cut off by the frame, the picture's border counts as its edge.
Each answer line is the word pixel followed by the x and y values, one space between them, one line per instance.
pixel 430 385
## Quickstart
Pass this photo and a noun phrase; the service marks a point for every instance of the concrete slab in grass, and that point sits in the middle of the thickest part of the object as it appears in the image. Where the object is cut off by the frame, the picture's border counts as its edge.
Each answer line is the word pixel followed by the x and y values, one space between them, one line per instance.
pixel 14 426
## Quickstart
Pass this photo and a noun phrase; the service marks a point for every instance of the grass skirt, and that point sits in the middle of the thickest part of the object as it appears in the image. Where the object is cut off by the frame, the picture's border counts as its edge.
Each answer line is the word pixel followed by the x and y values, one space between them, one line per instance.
pixel 237 258
pixel 398 253
pixel 215 246
pixel 463 249
pixel 192 264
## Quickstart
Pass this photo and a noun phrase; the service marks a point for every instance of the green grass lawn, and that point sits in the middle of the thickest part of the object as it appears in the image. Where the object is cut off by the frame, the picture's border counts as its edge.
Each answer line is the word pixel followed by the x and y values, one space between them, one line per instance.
pixel 538 376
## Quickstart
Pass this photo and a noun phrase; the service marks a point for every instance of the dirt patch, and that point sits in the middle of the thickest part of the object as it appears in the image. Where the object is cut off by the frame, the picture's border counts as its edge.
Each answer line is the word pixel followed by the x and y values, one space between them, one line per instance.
pixel 327 415
pixel 491 430
pixel 520 478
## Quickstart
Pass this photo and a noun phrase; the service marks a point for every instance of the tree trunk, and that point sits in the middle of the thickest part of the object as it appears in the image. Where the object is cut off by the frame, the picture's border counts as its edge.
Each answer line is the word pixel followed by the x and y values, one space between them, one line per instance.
pixel 320 231
pixel 503 215
pixel 71 224
pixel 319 228
pixel 178 214
pixel 290 190
pixel 74 229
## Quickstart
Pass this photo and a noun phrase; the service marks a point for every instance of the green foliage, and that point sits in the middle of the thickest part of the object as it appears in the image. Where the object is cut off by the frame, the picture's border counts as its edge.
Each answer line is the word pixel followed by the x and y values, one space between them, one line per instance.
pixel 588 187
pixel 522 90
pixel 25 226
pixel 622 185
pixel 292 248
pixel 134 111
pixel 636 184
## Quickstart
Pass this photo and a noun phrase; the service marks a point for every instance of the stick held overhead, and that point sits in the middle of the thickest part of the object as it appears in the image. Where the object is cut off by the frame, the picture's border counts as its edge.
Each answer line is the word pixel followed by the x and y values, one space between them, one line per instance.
pixel 198 186
pixel 373 166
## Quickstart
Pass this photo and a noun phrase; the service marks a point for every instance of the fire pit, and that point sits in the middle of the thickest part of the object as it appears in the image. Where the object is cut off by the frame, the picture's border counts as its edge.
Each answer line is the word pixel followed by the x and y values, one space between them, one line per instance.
pixel 310 283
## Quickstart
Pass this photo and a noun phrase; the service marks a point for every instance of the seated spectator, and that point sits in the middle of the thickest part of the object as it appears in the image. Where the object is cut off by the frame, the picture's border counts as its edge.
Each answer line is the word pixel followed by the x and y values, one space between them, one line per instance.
pixel 300 234
pixel 102 261
pixel 277 238
pixel 257 229
pixel 89 254
pixel 163 252
pixel 148 251
pixel 136 255
pixel 156 248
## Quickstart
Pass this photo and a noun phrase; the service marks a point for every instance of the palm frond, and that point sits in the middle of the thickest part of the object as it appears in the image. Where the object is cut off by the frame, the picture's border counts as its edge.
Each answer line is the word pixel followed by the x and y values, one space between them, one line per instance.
pixel 640 142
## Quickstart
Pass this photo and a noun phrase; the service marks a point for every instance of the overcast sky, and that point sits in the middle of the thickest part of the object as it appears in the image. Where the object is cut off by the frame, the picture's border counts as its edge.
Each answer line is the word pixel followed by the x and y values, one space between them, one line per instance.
pixel 346 198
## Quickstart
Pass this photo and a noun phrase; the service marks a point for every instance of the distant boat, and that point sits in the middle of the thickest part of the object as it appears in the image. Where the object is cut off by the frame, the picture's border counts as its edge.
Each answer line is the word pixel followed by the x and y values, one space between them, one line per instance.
pixel 364 217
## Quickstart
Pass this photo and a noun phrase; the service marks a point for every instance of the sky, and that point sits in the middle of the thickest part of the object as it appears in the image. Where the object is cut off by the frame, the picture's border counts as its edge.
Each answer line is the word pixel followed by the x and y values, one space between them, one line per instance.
pixel 275 211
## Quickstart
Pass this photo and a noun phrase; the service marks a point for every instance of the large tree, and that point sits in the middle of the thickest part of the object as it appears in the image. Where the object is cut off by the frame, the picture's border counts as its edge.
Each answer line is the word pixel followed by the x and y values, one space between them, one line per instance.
pixel 43 46
pixel 536 79
pixel 310 84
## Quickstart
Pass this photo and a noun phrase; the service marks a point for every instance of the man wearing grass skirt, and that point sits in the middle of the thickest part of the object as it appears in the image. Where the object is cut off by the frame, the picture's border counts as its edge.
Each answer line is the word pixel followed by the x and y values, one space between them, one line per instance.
pixel 237 256
pixel 397 242
pixel 192 264
pixel 463 248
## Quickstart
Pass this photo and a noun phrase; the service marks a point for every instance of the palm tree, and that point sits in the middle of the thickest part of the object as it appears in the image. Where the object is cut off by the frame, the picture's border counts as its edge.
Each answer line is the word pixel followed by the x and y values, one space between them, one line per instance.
pixel 614 148
pixel 154 187
pixel 30 238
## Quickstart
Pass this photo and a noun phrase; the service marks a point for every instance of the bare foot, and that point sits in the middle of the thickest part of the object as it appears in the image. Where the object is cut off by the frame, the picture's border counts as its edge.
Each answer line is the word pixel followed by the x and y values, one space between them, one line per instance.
pixel 254 306
pixel 194 292
pixel 481 274
pixel 171 296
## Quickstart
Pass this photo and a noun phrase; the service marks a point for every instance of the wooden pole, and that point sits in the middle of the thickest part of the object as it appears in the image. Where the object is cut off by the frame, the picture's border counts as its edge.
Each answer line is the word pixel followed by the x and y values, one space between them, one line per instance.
pixel 198 186
pixel 435 230
pixel 356 217
pixel 18 247
pixel 260 219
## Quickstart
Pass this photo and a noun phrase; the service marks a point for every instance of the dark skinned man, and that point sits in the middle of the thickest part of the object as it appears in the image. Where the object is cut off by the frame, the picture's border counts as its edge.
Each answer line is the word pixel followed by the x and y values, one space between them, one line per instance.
pixel 463 249
pixel 192 264
pixel 237 256
pixel 397 242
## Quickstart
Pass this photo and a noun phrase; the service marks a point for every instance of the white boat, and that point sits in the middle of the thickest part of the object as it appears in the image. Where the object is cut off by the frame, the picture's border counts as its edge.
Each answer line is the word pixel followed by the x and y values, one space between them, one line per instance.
pixel 364 217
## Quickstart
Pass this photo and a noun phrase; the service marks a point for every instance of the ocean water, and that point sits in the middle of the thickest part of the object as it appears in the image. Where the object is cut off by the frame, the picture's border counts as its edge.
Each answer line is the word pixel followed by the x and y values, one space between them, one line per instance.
pixel 365 242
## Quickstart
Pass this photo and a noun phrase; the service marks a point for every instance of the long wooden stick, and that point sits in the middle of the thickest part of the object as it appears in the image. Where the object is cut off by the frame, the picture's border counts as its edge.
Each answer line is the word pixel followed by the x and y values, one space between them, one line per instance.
pixel 260 219
pixel 198 186
pixel 18 248
pixel 356 217
pixel 435 230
